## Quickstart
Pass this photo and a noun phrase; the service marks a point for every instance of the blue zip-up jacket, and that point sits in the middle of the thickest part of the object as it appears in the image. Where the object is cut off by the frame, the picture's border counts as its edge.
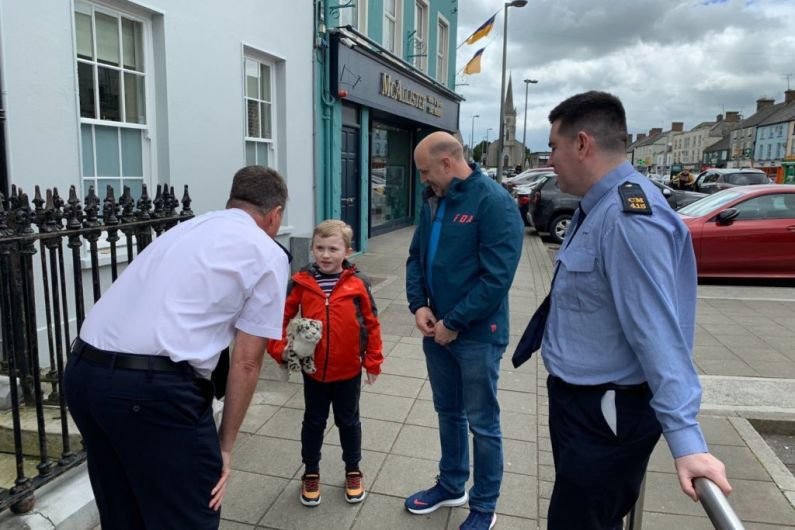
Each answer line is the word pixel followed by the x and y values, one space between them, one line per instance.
pixel 479 248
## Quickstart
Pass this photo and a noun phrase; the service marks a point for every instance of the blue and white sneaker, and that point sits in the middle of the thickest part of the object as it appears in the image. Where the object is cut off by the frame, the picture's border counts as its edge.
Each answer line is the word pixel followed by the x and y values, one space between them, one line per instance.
pixel 430 500
pixel 479 521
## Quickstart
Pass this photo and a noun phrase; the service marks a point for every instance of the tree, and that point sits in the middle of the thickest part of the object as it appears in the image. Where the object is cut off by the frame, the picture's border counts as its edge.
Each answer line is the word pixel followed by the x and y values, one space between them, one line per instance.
pixel 480 150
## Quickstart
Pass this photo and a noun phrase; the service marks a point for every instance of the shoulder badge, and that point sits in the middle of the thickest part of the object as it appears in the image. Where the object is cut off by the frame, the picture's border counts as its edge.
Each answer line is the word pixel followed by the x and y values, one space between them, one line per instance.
pixel 634 199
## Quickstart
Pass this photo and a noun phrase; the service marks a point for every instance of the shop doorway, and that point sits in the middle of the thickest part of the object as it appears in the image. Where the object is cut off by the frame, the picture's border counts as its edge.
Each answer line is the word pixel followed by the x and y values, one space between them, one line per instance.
pixel 350 181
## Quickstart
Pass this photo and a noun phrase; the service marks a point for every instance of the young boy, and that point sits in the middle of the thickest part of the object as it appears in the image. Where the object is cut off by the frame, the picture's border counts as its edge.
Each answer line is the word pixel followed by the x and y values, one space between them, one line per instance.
pixel 333 291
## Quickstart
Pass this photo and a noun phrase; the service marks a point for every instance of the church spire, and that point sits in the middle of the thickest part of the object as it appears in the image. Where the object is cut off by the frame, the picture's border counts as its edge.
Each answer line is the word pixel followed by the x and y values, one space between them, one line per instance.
pixel 509 97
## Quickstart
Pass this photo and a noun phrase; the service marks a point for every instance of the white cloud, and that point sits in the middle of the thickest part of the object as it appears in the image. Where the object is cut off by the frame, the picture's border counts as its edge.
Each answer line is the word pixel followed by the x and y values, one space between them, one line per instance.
pixel 672 60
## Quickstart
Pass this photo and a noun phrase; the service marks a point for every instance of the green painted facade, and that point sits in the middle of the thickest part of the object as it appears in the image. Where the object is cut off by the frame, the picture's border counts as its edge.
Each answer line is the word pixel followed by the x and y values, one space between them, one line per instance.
pixel 328 107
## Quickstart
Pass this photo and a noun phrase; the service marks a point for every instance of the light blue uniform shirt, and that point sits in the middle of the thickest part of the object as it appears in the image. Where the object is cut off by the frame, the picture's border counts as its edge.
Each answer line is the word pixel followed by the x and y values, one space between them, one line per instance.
pixel 624 306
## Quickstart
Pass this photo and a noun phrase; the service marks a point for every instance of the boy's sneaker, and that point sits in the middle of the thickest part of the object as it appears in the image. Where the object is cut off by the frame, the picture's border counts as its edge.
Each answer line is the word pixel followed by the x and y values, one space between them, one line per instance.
pixel 310 489
pixel 430 500
pixel 354 487
pixel 479 521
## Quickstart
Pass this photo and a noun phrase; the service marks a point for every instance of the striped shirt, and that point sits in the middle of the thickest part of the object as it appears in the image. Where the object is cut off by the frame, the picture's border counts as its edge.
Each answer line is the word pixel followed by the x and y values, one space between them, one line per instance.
pixel 326 281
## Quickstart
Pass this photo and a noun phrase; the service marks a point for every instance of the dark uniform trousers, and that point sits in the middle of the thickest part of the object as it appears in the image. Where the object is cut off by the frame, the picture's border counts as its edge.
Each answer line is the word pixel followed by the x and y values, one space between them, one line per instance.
pixel 152 445
pixel 597 473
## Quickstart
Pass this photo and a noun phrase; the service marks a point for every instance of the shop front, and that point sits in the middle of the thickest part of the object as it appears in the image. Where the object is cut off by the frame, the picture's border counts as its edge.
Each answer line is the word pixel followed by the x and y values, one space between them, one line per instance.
pixel 788 171
pixel 386 108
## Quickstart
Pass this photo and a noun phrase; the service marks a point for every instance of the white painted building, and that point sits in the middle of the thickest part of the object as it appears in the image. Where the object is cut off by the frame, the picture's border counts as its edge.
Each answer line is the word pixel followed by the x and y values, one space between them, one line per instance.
pixel 121 93
pixel 159 91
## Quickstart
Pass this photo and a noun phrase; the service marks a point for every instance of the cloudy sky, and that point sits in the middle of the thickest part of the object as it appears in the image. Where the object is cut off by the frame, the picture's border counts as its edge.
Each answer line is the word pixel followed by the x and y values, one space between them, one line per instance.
pixel 668 60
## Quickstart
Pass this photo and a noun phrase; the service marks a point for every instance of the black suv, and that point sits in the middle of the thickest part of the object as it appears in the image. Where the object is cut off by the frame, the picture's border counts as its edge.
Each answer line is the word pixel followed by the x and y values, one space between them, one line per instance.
pixel 550 209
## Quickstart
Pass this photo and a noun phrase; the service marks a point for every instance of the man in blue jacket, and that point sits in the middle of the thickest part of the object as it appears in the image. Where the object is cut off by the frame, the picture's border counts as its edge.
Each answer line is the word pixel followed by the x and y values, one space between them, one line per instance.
pixel 461 264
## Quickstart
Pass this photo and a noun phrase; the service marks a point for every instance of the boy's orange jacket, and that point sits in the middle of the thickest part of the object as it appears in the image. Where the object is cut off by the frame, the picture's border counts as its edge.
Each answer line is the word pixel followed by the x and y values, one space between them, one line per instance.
pixel 351 332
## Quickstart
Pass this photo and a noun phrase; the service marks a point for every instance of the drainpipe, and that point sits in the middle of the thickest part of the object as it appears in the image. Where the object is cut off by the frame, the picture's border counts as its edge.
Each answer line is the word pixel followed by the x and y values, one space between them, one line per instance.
pixel 327 104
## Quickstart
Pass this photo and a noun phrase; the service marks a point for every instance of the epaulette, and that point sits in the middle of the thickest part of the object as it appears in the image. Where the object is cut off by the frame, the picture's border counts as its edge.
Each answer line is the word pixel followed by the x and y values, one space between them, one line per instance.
pixel 634 199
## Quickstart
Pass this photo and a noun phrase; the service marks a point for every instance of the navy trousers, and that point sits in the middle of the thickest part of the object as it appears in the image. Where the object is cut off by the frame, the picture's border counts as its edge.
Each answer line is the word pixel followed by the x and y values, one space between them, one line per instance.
pixel 343 396
pixel 598 473
pixel 151 444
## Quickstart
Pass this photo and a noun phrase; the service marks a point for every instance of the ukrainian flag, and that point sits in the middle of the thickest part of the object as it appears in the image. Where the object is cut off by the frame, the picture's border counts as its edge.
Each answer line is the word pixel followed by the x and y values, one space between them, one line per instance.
pixel 473 66
pixel 482 31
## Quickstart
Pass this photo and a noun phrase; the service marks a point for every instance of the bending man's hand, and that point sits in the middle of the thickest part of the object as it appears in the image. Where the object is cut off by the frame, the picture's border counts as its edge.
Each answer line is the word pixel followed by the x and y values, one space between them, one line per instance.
pixel 425 320
pixel 698 465
pixel 443 335
pixel 219 490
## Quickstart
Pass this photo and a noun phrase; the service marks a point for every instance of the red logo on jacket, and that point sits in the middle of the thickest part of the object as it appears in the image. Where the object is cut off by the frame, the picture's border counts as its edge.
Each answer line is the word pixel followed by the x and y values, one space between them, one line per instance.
pixel 463 218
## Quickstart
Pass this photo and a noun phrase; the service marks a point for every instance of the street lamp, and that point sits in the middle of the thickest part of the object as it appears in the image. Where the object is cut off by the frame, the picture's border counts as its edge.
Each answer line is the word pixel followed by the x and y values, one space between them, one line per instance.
pixel 487 145
pixel 514 3
pixel 472 136
pixel 527 83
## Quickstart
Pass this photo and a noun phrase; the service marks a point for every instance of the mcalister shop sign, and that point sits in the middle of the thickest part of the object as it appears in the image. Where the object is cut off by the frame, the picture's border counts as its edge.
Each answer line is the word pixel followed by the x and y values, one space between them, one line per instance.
pixel 360 75
pixel 392 88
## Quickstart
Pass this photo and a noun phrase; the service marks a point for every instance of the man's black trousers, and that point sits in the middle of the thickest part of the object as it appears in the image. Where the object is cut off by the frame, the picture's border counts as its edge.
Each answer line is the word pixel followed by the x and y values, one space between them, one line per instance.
pixel 152 446
pixel 597 473
pixel 343 397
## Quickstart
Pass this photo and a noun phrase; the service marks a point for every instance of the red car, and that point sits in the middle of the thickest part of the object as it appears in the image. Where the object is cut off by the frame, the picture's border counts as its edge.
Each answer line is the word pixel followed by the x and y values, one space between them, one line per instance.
pixel 744 232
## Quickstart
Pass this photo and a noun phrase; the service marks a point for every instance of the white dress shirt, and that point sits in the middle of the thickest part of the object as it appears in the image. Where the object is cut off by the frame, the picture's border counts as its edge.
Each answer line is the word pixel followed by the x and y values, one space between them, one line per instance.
pixel 187 292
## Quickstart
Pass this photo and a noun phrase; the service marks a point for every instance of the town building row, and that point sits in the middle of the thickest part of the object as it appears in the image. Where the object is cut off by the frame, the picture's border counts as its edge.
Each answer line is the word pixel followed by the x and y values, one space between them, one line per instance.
pixel 764 140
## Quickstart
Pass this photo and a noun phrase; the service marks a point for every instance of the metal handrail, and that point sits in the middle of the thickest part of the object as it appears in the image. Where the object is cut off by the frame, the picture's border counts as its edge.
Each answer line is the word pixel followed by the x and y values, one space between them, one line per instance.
pixel 717 505
pixel 713 500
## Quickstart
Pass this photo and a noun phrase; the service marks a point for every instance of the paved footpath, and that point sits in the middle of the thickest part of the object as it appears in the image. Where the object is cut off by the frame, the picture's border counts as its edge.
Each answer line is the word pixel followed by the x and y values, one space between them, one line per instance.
pixel 745 352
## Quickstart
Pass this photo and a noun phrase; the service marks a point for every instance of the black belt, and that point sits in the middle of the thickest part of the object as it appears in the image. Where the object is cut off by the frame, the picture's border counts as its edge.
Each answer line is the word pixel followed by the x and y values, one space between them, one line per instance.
pixel 130 361
pixel 640 387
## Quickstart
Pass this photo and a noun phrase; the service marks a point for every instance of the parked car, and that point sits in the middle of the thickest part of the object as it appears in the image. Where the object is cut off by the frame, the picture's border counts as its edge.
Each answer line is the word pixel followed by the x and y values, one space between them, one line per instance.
pixel 678 198
pixel 523 193
pixel 661 179
pixel 744 232
pixel 549 209
pixel 525 177
pixel 714 180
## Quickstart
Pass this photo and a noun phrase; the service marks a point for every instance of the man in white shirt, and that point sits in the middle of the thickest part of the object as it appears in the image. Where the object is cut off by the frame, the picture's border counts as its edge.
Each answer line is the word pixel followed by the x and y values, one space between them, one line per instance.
pixel 137 381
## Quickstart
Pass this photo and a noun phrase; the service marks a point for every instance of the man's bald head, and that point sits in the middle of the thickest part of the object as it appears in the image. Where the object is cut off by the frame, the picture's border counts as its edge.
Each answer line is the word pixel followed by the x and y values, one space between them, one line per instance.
pixel 439 158
pixel 440 144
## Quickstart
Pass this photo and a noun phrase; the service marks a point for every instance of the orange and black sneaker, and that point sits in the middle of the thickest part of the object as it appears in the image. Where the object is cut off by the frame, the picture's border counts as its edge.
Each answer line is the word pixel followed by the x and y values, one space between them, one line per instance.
pixel 310 489
pixel 354 487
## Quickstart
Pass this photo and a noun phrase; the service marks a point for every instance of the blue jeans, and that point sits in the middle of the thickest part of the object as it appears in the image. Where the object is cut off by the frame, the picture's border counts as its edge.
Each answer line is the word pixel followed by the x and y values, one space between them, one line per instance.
pixel 463 378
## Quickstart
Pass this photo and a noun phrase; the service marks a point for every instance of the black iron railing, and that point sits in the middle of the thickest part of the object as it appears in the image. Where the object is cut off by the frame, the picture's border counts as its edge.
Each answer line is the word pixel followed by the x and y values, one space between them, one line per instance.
pixel 58 282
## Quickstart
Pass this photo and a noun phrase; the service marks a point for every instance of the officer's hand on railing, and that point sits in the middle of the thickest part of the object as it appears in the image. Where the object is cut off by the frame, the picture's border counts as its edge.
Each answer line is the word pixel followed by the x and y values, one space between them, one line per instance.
pixel 717 506
pixel 691 467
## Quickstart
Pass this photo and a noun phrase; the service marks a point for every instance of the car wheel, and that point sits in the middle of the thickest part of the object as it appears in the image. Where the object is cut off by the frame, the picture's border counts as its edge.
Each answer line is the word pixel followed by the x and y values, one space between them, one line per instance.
pixel 558 227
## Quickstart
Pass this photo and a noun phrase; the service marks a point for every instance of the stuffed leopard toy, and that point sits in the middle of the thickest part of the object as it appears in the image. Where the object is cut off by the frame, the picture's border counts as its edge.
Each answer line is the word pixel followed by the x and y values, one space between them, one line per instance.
pixel 302 336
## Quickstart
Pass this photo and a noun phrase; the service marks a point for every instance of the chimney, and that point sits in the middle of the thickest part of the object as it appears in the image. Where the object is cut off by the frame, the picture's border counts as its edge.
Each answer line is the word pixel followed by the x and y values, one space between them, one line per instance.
pixel 641 136
pixel 733 116
pixel 763 103
pixel 789 96
pixel 677 126
pixel 655 132
pixel 719 117
pixel 629 138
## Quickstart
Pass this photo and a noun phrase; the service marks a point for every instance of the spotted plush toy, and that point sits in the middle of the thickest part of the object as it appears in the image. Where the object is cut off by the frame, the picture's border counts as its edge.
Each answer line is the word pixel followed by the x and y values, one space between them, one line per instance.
pixel 302 336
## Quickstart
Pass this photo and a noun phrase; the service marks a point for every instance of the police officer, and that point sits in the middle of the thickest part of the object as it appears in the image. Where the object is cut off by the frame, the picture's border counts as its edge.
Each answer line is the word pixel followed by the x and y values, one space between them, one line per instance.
pixel 137 380
pixel 619 334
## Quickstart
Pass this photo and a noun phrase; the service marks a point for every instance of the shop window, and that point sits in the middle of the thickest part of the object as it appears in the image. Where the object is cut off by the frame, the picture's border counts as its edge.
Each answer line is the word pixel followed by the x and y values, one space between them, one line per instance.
pixel 390 172
pixel 355 15
pixel 259 97
pixel 112 92
pixel 419 48
pixel 442 50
